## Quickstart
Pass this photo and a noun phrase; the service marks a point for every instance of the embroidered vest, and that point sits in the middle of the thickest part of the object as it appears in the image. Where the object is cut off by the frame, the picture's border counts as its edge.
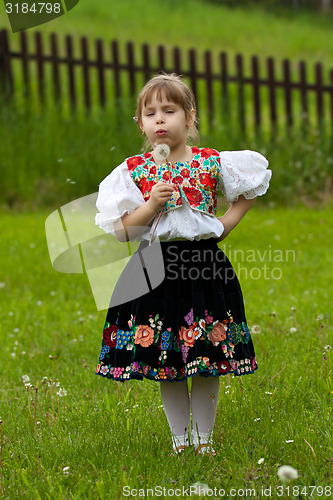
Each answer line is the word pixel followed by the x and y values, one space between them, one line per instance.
pixel 196 181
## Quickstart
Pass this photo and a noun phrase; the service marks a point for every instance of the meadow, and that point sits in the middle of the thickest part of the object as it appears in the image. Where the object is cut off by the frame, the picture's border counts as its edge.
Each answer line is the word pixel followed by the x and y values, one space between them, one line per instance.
pixel 66 433
pixel 69 434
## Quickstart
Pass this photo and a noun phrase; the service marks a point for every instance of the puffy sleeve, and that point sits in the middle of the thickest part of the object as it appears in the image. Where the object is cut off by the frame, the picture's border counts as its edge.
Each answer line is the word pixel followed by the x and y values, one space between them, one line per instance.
pixel 243 172
pixel 117 195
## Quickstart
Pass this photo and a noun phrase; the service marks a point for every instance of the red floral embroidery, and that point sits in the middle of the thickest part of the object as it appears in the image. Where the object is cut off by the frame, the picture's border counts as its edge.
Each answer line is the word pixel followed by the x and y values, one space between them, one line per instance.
pixel 207 152
pixel 185 172
pixel 224 366
pixel 196 151
pixel 195 164
pixel 193 182
pixel 110 336
pixel 133 162
pixel 178 180
pixel 166 176
pixel 152 170
pixel 193 195
pixel 207 181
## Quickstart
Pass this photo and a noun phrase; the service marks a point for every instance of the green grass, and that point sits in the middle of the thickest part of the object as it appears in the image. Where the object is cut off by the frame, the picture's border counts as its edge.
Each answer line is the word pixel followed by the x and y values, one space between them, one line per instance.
pixel 111 436
pixel 48 159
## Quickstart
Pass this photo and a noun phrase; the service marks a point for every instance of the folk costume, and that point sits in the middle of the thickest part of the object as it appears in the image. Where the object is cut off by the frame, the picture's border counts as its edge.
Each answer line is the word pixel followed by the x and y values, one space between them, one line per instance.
pixel 194 320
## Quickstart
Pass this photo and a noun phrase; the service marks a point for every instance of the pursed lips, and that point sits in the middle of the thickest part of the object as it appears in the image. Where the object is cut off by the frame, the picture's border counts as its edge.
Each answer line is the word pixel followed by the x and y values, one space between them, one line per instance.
pixel 160 131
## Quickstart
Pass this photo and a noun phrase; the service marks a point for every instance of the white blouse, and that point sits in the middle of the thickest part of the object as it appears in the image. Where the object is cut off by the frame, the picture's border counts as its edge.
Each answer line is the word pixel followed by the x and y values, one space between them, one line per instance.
pixel 242 173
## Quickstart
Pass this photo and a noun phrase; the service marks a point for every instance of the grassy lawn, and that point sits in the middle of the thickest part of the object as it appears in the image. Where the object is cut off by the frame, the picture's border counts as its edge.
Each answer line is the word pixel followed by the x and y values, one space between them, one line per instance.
pixel 96 437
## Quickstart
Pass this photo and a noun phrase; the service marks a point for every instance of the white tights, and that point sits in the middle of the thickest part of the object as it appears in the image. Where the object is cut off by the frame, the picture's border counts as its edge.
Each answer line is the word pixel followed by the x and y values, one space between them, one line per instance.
pixel 176 403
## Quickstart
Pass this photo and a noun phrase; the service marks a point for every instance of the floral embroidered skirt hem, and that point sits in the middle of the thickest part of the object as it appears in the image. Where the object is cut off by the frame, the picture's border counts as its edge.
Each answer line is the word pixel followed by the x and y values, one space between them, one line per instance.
pixel 192 322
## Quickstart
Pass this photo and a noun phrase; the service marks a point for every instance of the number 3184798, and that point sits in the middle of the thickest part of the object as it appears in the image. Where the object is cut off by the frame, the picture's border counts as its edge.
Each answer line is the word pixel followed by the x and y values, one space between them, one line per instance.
pixel 24 8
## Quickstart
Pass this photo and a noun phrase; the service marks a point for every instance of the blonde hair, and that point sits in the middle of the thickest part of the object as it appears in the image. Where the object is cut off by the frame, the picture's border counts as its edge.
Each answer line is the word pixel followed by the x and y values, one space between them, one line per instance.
pixel 175 89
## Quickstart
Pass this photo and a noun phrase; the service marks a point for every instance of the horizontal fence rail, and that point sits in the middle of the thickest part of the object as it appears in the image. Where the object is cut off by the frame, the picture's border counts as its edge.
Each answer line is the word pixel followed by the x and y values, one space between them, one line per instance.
pixel 246 92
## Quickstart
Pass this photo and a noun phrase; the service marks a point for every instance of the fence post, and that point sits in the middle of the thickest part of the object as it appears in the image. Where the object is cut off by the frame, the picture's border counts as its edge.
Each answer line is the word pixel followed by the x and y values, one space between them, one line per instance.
pixel 40 65
pixel 331 103
pixel 85 72
pixel 116 68
pixel 161 58
pixel 241 102
pixel 319 94
pixel 131 67
pixel 287 91
pixel 6 75
pixel 70 65
pixel 272 96
pixel 176 61
pixel 25 63
pixel 224 84
pixel 256 93
pixel 100 71
pixel 55 68
pixel 193 76
pixel 209 88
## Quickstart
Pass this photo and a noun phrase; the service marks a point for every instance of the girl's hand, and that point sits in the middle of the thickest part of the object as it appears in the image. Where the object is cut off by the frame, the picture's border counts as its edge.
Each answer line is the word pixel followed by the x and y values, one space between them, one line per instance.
pixel 160 194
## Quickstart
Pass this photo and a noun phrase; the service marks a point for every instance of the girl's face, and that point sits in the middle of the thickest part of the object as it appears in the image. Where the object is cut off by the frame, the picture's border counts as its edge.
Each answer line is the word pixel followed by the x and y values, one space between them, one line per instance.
pixel 164 122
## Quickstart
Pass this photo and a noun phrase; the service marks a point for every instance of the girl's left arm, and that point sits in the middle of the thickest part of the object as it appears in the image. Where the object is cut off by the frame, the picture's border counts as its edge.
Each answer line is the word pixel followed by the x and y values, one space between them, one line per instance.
pixel 234 215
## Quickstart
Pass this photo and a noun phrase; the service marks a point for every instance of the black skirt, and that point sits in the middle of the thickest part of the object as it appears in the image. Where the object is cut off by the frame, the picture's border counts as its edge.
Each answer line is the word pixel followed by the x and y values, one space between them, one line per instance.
pixel 176 310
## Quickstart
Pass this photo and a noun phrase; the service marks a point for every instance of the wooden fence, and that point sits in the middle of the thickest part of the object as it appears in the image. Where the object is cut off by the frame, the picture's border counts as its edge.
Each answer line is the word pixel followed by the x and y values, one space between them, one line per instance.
pixel 247 92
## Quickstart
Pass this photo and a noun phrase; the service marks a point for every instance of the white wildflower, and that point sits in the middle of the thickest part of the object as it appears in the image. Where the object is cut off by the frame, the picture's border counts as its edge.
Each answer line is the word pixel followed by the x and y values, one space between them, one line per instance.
pixel 25 379
pixel 290 441
pixel 65 470
pixel 62 392
pixel 286 473
pixel 293 330
pixel 200 488
pixel 161 152
pixel 261 460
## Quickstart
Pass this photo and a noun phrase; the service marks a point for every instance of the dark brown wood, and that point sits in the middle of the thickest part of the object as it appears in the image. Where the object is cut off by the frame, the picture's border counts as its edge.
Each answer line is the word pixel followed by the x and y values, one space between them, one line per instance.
pixel 224 84
pixel 100 72
pixel 331 101
pixel 70 67
pixel 271 90
pixel 256 92
pixel 207 79
pixel 193 75
pixel 146 61
pixel 303 90
pixel 240 86
pixel 25 63
pixel 161 59
pixel 85 72
pixel 209 87
pixel 319 93
pixel 55 67
pixel 6 73
pixel 131 68
pixel 40 65
pixel 177 60
pixel 116 68
pixel 287 91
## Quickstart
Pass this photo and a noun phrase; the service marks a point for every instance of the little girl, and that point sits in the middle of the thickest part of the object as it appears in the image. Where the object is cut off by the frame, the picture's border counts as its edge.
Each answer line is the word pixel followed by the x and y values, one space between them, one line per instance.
pixel 193 323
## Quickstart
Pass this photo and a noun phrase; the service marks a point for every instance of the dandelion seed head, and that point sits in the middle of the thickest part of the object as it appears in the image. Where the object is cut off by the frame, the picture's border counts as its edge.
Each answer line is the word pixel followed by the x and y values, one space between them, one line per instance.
pixel 25 379
pixel 161 152
pixel 286 473
pixel 293 329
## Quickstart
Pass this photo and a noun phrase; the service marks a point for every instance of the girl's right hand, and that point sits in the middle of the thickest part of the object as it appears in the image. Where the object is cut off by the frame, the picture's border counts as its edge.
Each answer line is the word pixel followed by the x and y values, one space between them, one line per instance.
pixel 160 194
